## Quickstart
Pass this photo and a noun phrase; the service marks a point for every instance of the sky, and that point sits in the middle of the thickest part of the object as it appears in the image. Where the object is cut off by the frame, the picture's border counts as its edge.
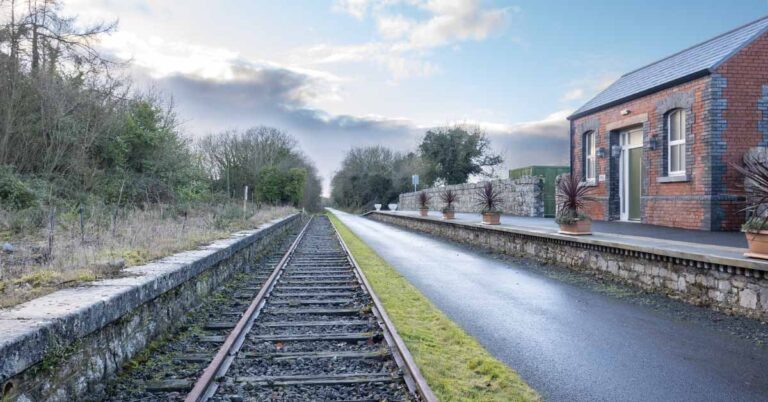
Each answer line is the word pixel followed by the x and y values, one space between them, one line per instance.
pixel 339 74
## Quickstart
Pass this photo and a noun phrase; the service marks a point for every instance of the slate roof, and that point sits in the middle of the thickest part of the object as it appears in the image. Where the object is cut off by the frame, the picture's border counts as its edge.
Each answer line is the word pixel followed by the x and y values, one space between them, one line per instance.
pixel 691 63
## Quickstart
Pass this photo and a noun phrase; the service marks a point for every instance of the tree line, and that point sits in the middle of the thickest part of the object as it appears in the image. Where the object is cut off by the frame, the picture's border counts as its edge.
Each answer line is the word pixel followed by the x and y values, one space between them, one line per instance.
pixel 73 131
pixel 446 155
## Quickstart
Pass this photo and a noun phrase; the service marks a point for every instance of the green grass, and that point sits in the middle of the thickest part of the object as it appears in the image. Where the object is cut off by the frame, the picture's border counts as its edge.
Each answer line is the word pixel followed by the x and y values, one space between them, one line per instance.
pixel 455 365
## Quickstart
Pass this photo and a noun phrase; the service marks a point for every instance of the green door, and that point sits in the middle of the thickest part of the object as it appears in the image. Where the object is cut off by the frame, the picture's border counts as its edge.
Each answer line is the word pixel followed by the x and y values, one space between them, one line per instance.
pixel 634 182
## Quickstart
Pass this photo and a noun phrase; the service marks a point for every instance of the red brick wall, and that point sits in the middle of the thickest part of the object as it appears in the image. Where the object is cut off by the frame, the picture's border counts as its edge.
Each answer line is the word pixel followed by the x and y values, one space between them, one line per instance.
pixel 745 73
pixel 659 212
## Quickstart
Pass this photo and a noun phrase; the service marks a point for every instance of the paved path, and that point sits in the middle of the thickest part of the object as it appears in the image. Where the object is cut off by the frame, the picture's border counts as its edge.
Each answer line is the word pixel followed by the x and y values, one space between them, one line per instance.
pixel 729 239
pixel 570 343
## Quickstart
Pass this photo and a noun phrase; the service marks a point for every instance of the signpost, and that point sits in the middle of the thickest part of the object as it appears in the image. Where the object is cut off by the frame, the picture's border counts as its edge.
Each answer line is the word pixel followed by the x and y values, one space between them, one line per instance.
pixel 415 181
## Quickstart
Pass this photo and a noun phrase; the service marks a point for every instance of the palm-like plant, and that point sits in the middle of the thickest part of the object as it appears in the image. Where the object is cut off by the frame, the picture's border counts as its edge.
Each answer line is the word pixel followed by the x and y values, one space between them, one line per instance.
pixel 424 200
pixel 572 197
pixel 755 171
pixel 448 197
pixel 489 199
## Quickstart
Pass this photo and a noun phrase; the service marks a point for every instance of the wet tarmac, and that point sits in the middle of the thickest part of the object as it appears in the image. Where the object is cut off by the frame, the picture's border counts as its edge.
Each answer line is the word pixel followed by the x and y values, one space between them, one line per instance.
pixel 572 342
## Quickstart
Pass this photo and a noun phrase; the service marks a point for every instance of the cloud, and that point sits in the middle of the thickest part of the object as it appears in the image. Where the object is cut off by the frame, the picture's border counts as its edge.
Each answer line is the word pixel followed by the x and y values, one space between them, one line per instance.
pixel 403 39
pixel 541 142
pixel 279 97
pixel 398 64
pixel 573 94
pixel 588 87
pixel 456 20
pixel 355 8
pixel 394 27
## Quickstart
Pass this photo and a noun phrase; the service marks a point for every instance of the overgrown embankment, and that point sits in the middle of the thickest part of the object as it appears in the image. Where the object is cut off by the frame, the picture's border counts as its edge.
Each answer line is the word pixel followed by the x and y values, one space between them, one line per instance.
pixel 38 262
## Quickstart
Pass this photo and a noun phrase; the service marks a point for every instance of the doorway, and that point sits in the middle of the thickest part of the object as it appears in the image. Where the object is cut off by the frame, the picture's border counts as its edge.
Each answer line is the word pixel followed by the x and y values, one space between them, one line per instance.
pixel 631 173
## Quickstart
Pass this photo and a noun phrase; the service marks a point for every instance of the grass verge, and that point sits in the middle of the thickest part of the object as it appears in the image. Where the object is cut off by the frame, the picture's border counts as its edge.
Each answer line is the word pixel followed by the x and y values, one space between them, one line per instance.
pixel 455 365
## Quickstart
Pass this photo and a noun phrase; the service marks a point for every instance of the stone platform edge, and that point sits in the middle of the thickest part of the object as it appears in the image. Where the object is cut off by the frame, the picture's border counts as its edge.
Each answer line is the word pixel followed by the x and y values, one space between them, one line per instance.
pixel 28 331
pixel 713 261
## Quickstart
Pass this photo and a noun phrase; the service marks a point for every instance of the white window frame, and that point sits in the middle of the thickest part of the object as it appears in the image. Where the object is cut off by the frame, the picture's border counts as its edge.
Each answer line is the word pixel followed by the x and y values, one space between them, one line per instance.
pixel 680 142
pixel 590 157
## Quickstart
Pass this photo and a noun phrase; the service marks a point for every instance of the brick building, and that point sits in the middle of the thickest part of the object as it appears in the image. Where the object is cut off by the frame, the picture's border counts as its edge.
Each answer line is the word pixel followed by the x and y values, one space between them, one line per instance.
pixel 657 144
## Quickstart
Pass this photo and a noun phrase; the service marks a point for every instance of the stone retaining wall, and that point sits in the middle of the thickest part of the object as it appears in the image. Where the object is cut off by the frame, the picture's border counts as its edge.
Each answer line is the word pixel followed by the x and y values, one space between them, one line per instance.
pixel 522 197
pixel 730 285
pixel 64 345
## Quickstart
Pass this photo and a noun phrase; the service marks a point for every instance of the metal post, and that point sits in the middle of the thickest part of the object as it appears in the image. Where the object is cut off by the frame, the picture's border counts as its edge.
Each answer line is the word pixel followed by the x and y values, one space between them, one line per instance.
pixel 82 226
pixel 245 202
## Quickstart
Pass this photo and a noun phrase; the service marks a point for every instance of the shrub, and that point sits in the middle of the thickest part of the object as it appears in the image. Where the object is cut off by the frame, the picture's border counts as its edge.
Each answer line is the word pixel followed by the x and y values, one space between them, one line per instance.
pixel 572 197
pixel 489 199
pixel 28 220
pixel 14 194
pixel 448 197
pixel 755 171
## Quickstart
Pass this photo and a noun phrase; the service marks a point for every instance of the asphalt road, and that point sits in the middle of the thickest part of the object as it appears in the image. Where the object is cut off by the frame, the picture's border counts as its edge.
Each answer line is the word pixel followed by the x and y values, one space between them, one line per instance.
pixel 569 342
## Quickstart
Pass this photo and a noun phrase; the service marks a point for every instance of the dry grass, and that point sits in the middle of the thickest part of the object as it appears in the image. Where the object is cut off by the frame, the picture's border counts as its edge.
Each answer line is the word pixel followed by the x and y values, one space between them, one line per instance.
pixel 136 237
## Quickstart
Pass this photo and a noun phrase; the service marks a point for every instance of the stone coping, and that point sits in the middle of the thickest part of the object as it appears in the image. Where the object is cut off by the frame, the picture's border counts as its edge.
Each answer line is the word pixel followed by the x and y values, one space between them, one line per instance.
pixel 29 330
pixel 717 255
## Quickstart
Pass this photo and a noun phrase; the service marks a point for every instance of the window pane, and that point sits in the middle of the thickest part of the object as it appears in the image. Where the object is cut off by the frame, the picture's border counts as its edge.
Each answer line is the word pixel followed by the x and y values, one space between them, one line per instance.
pixel 677 125
pixel 674 158
pixel 673 126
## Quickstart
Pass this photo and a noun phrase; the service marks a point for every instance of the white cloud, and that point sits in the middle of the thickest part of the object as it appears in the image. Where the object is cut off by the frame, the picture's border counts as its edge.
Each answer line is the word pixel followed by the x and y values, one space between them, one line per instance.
pixel 582 89
pixel 396 62
pixel 404 39
pixel 355 8
pixel 456 20
pixel 159 58
pixel 572 95
pixel 553 125
pixel 394 27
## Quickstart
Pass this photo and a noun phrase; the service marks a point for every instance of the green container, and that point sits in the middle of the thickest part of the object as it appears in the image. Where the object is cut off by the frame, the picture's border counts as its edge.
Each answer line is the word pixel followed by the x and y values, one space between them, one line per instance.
pixel 548 176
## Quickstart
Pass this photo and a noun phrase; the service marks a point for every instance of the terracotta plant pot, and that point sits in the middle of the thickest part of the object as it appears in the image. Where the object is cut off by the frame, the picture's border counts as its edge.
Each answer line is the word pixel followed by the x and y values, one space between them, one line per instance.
pixel 491 218
pixel 449 214
pixel 424 211
pixel 758 244
pixel 580 227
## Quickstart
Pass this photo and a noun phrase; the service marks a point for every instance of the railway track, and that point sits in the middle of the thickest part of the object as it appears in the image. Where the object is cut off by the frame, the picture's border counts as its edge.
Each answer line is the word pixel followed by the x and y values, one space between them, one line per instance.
pixel 168 371
pixel 315 331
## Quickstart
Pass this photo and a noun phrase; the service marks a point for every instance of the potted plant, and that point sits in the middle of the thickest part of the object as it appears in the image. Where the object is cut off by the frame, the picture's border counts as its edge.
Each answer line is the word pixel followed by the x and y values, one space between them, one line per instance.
pixel 448 197
pixel 572 197
pixel 490 201
pixel 423 203
pixel 755 171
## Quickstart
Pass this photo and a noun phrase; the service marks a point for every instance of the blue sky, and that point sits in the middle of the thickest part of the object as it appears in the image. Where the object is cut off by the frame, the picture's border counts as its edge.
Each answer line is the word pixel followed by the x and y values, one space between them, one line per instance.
pixel 343 73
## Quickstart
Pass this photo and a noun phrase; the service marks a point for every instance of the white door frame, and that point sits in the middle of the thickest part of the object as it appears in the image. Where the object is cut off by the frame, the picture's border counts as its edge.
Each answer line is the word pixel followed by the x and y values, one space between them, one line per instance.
pixel 624 140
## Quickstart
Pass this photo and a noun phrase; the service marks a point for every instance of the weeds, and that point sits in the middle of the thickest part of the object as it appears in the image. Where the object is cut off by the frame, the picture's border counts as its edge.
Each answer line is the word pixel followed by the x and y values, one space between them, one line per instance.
pixel 103 246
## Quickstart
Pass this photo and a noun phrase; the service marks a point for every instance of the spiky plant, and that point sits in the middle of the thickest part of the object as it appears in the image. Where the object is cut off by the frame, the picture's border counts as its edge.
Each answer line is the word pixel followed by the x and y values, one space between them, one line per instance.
pixel 755 171
pixel 489 199
pixel 448 197
pixel 572 197
pixel 424 200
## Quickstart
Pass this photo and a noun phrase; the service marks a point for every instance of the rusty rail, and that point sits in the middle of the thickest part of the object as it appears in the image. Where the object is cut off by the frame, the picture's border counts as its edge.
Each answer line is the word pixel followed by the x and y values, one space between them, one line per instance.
pixel 413 377
pixel 206 384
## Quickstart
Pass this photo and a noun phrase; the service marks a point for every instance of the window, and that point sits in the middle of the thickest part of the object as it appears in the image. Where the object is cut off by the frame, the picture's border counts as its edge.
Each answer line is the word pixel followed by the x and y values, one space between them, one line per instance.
pixel 590 165
pixel 676 142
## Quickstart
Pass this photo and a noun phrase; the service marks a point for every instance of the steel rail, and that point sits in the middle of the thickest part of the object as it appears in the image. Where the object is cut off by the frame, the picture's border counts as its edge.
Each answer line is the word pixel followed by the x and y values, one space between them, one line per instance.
pixel 206 384
pixel 412 375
